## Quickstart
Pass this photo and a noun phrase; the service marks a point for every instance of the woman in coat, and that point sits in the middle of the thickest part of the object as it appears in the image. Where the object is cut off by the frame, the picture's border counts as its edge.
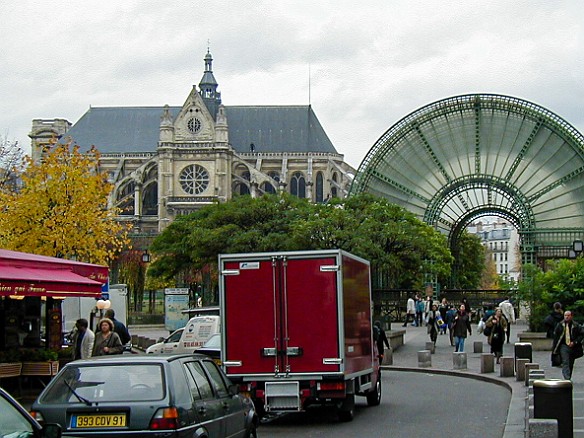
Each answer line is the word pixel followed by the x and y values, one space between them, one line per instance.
pixel 106 340
pixel 461 326
pixel 498 325
pixel 432 318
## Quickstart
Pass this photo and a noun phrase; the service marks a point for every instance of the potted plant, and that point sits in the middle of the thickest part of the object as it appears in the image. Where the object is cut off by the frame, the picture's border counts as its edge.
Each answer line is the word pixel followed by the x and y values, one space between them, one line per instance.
pixel 39 362
pixel 10 364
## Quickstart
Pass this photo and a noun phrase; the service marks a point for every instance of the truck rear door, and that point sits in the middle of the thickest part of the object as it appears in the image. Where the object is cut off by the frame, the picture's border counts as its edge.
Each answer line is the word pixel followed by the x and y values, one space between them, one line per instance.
pixel 281 316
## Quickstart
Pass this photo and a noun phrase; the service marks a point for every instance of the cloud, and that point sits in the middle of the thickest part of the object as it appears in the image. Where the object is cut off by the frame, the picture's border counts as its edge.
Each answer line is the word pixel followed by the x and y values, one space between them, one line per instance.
pixel 371 63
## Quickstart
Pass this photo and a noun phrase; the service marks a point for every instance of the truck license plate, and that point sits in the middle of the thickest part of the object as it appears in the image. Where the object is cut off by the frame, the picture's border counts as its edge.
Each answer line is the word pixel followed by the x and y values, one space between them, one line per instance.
pixel 98 421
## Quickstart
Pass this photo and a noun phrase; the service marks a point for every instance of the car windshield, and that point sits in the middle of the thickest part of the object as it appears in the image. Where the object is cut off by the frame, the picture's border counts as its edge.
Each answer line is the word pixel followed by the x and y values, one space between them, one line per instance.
pixel 106 382
pixel 213 342
pixel 13 423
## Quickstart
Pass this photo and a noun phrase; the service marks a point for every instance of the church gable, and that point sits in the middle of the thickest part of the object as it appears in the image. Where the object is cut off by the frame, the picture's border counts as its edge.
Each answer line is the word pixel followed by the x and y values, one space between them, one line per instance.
pixel 194 122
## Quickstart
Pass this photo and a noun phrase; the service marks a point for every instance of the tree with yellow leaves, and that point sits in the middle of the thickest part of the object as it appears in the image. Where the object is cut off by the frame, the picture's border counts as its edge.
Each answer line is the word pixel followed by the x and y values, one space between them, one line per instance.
pixel 61 209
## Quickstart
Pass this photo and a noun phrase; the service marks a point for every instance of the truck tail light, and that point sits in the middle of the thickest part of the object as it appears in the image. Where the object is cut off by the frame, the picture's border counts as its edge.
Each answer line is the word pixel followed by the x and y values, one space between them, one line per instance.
pixel 164 418
pixel 331 386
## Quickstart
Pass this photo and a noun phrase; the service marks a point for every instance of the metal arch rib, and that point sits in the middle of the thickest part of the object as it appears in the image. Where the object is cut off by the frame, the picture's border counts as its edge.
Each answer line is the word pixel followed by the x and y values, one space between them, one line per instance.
pixel 441 198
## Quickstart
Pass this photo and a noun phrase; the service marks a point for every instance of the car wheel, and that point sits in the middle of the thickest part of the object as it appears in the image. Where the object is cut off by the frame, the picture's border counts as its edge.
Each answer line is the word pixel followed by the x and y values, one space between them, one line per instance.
pixel 346 410
pixel 374 396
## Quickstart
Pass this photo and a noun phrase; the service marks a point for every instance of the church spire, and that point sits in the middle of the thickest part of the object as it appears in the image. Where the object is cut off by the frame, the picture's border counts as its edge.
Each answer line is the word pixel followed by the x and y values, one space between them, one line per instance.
pixel 208 86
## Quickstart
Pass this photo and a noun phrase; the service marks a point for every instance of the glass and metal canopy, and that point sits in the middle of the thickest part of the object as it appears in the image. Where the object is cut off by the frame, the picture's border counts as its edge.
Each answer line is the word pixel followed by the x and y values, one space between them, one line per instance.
pixel 468 156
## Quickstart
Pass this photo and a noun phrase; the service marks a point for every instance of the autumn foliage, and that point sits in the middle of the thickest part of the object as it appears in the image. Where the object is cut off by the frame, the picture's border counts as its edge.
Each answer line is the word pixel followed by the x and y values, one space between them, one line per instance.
pixel 61 209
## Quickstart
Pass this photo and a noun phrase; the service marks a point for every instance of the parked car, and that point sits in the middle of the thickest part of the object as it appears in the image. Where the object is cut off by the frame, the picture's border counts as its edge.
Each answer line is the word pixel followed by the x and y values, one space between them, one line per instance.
pixel 167 345
pixel 212 348
pixel 146 395
pixel 16 421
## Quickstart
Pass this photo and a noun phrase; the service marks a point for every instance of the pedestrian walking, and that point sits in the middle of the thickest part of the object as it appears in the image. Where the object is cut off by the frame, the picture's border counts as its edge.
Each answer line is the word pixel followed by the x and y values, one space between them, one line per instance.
pixel 119 327
pixel 568 337
pixel 443 308
pixel 554 318
pixel 509 313
pixel 450 315
pixel 432 318
pixel 83 340
pixel 497 324
pixel 420 306
pixel 106 340
pixel 461 327
pixel 410 311
pixel 380 339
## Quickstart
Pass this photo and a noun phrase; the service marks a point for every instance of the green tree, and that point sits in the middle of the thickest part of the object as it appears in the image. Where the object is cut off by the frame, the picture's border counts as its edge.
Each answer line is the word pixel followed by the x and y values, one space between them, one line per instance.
pixel 61 210
pixel 469 264
pixel 394 240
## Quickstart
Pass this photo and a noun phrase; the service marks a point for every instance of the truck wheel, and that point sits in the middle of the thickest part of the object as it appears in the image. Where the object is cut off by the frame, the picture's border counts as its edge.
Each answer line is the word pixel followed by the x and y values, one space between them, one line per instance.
pixel 374 396
pixel 252 432
pixel 346 410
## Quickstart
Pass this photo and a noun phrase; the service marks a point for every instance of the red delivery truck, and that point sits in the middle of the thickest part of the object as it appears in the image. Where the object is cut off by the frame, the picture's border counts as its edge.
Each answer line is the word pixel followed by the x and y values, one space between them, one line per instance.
pixel 297 331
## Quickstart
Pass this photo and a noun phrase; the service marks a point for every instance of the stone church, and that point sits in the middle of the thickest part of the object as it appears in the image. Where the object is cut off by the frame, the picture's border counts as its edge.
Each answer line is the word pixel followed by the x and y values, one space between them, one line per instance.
pixel 167 161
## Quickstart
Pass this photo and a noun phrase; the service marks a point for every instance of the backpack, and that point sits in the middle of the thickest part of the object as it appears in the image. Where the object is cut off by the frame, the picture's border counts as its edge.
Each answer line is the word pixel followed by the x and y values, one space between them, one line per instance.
pixel 487 331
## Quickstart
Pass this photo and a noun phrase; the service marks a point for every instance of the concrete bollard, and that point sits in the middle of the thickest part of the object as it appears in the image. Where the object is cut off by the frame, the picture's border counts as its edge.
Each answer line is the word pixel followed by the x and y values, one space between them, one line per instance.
pixel 477 346
pixel 542 428
pixel 523 350
pixel 520 369
pixel 487 363
pixel 424 359
pixel 431 346
pixel 459 360
pixel 529 367
pixel 552 398
pixel 535 375
pixel 507 366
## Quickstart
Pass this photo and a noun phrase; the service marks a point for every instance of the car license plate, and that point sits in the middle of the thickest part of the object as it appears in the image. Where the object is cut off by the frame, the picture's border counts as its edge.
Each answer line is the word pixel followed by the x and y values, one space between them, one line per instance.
pixel 98 421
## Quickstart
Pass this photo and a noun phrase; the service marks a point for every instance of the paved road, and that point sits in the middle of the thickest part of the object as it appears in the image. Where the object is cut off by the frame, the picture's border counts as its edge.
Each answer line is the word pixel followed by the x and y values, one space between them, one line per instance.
pixel 413 405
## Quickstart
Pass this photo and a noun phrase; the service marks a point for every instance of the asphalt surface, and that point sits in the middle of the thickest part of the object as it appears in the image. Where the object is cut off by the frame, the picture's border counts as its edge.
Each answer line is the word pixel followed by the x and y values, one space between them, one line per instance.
pixel 405 358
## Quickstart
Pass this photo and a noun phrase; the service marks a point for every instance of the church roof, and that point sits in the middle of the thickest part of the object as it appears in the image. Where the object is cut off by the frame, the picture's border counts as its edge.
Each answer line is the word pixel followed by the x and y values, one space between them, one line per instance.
pixel 269 128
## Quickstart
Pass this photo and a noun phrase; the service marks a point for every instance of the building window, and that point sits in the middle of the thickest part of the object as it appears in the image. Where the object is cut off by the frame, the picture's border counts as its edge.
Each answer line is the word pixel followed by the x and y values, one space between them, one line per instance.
pixel 334 186
pixel 243 188
pixel 126 199
pixel 150 200
pixel 269 187
pixel 194 179
pixel 319 187
pixel 298 185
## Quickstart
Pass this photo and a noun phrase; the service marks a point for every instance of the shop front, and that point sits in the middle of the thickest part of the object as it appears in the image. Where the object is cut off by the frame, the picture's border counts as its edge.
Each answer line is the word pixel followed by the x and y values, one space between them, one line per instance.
pixel 32 288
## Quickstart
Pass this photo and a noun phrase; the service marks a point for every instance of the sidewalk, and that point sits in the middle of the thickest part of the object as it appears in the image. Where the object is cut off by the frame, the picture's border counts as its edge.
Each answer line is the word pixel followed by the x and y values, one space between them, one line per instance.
pixel 405 358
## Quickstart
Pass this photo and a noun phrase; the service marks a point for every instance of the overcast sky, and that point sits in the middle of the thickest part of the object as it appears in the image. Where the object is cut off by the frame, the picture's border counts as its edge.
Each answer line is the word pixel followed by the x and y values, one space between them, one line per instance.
pixel 371 62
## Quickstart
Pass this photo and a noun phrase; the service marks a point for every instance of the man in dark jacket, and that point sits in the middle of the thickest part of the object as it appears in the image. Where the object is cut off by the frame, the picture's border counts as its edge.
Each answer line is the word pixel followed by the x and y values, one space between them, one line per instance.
pixel 553 319
pixel 380 339
pixel 568 336
pixel 119 327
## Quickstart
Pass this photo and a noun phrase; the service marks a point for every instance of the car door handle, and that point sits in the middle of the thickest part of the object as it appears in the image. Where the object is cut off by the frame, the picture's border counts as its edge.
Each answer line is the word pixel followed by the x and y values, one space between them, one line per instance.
pixel 225 405
pixel 202 409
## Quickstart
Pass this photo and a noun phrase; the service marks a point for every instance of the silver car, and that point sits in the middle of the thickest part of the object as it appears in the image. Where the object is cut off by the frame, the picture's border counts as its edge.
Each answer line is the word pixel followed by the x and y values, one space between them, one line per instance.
pixel 146 395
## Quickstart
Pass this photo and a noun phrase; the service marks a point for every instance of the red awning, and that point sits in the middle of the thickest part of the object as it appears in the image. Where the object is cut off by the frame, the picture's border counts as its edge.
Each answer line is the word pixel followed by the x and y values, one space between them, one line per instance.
pixel 24 274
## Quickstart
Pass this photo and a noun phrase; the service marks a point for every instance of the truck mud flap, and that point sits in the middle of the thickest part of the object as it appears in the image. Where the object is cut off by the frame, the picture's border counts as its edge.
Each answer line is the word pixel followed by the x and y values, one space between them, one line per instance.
pixel 282 396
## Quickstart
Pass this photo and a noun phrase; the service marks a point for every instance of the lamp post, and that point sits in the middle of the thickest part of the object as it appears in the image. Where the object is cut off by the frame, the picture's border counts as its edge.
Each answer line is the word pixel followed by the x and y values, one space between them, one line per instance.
pixel 100 305
pixel 576 250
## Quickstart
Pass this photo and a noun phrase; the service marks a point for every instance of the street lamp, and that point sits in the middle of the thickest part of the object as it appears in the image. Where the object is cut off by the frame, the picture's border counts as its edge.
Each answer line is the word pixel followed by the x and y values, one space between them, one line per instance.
pixel 145 257
pixel 577 249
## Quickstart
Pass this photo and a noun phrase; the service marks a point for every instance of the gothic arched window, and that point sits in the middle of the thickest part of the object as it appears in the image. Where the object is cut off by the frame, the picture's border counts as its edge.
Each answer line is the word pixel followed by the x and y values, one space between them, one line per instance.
pixel 319 187
pixel 298 185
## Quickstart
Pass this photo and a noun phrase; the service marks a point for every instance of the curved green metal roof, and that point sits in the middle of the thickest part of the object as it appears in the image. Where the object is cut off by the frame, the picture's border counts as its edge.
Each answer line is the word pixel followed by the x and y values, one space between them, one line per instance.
pixel 468 156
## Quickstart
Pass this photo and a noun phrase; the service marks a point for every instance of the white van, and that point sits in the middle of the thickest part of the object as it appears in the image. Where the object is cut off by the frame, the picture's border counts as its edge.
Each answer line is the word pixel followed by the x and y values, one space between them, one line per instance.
pixel 197 331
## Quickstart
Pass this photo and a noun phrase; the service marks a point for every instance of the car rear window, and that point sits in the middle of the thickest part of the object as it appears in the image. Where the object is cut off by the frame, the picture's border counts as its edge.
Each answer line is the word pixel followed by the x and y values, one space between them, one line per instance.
pixel 105 383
